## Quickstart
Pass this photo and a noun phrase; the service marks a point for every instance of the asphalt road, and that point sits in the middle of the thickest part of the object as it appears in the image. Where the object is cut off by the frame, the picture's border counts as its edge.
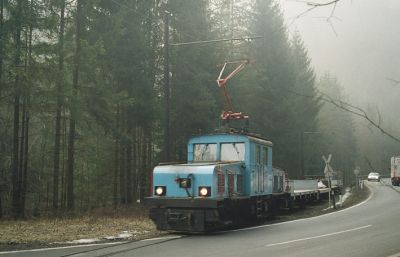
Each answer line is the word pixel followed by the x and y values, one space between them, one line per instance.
pixel 369 229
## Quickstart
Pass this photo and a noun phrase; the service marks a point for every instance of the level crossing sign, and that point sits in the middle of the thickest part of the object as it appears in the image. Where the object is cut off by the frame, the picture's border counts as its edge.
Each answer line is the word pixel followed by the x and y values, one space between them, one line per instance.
pixel 357 171
pixel 328 171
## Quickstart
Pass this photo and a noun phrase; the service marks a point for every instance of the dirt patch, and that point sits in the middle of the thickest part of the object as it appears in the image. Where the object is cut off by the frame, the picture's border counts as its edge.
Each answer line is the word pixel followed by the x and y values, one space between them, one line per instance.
pixel 52 232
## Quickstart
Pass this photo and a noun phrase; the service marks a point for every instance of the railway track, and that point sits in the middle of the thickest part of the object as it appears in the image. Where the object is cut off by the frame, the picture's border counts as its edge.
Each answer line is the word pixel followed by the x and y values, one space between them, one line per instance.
pixel 111 250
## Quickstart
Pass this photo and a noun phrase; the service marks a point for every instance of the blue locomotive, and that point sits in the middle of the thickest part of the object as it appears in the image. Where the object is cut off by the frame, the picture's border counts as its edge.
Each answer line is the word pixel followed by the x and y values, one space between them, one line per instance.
pixel 228 178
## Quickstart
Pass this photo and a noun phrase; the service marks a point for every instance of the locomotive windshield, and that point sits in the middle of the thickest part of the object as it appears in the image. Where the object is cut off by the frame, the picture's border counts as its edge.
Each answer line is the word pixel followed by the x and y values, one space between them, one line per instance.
pixel 232 152
pixel 205 152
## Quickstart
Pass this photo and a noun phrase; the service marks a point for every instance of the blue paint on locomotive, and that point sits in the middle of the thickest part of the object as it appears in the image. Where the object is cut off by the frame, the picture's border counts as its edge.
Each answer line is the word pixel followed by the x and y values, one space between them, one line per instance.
pixel 200 175
pixel 231 165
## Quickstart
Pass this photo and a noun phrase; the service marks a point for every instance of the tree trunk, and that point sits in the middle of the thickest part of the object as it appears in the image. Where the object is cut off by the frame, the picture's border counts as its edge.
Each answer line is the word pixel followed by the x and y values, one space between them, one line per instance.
pixel 1 45
pixel 16 193
pixel 63 163
pixel 139 139
pixel 21 154
pixel 72 123
pixel 25 166
pixel 41 176
pixel 28 64
pixel 134 164
pixel 1 78
pixel 1 207
pixel 122 178
pixel 70 164
pixel 15 178
pixel 129 167
pixel 149 171
pixel 1 81
pixel 143 167
pixel 22 158
pixel 57 140
pixel 116 162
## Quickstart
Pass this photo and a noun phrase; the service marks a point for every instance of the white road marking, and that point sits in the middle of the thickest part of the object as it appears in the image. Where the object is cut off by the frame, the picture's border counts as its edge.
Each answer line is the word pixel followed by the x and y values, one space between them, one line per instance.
pixel 320 236
pixel 395 255
pixel 161 238
pixel 61 247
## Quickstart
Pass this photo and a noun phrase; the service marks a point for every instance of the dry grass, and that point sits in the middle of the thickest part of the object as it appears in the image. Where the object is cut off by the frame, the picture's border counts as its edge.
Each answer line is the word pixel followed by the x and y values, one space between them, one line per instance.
pixel 95 225
pixel 357 196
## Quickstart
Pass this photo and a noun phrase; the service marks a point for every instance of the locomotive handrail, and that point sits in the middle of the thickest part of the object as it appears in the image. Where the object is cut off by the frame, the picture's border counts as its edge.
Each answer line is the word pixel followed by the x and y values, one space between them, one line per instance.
pixel 213 162
pixel 170 163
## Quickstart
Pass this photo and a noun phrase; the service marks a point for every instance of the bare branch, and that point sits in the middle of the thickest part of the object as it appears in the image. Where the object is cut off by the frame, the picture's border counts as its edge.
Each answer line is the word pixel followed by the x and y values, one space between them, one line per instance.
pixel 315 5
pixel 333 10
pixel 394 81
pixel 301 15
pixel 357 111
pixel 334 2
pixel 333 27
pixel 379 116
pixel 369 163
pixel 368 126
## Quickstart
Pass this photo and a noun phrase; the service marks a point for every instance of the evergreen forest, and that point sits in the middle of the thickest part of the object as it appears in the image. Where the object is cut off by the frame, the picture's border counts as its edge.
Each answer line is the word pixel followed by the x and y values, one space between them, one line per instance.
pixel 95 93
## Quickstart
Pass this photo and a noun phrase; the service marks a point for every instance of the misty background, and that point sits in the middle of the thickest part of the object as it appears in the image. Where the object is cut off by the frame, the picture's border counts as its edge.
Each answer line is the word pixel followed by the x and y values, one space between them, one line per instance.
pixel 358 43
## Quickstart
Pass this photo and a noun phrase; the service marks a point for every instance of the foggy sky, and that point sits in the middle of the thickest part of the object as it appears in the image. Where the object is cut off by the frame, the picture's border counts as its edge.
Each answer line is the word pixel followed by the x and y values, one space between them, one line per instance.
pixel 361 47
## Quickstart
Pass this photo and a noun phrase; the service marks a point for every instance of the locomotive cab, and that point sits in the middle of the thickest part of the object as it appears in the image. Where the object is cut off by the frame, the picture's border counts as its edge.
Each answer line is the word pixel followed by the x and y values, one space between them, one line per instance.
pixel 225 178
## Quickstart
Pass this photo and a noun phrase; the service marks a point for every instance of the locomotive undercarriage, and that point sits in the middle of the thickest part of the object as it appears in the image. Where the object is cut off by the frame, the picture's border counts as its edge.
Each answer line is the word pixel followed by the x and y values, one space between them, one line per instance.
pixel 204 215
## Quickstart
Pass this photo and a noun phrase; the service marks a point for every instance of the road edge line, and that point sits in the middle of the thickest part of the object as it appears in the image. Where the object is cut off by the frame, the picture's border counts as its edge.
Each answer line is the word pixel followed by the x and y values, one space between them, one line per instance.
pixel 320 236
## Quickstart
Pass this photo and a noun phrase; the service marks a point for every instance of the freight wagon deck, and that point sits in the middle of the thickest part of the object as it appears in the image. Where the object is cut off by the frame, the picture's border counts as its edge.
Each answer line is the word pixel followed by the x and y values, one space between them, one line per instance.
pixel 311 188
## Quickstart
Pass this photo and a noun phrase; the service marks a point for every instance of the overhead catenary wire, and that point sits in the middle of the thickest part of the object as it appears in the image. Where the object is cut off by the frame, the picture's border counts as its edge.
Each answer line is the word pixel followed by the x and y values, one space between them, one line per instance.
pixel 216 40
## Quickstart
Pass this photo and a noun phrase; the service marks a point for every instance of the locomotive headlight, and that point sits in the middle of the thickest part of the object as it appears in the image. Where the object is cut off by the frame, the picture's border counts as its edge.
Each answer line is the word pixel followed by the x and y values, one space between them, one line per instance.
pixel 160 190
pixel 204 191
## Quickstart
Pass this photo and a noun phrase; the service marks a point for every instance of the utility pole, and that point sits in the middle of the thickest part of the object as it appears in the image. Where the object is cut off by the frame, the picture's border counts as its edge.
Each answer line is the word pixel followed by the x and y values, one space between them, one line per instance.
pixel 232 3
pixel 167 145
pixel 301 156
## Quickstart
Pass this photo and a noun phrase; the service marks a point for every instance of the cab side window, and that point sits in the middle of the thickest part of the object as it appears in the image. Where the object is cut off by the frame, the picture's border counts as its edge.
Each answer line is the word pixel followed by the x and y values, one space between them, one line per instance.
pixel 265 156
pixel 258 154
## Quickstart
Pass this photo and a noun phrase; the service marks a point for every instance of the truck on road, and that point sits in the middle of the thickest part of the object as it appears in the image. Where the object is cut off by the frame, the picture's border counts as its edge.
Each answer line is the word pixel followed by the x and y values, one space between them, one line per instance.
pixel 395 170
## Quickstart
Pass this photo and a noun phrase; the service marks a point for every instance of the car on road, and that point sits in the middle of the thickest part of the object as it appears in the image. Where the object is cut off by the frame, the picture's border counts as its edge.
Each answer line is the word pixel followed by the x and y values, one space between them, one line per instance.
pixel 374 176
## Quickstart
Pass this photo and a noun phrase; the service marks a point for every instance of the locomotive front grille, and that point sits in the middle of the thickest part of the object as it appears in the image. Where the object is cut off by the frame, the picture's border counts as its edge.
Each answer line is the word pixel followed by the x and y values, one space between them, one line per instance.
pixel 174 218
pixel 184 220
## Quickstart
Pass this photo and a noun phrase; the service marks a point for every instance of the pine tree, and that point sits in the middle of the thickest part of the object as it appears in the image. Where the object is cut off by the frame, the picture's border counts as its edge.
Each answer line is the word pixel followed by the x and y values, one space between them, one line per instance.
pixel 194 73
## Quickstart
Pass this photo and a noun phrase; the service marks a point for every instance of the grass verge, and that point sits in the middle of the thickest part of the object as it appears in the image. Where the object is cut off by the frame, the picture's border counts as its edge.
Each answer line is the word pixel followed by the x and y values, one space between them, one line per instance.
pixel 51 232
